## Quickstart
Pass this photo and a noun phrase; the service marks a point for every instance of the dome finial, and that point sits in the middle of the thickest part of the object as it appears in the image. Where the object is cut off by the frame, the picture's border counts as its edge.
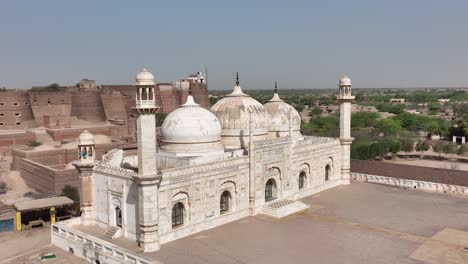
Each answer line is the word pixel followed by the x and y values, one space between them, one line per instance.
pixel 237 78
pixel 276 87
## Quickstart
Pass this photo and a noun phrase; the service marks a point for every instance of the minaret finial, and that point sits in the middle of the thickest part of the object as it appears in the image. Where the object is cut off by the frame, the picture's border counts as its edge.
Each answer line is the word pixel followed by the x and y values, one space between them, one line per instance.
pixel 237 78
pixel 276 87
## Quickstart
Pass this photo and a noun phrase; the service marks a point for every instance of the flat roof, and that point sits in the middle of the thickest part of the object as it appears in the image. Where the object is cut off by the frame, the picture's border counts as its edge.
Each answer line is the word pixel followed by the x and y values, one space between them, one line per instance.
pixel 43 203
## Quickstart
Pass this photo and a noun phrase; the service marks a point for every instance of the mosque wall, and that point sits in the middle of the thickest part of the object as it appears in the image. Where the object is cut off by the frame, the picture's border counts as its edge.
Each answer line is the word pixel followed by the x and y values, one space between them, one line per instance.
pixel 199 189
pixel 110 193
pixel 282 161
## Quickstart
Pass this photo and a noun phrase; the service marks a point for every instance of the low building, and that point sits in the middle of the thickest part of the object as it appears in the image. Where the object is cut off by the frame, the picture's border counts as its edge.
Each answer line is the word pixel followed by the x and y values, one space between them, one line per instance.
pixel 397 100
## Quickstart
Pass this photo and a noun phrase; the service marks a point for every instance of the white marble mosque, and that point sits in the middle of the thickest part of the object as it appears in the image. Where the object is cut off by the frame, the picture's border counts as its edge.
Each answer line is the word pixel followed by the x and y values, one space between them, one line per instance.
pixel 240 159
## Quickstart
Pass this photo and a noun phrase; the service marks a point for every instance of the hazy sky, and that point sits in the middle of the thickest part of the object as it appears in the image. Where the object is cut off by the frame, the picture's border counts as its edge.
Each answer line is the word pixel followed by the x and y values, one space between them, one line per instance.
pixel 301 44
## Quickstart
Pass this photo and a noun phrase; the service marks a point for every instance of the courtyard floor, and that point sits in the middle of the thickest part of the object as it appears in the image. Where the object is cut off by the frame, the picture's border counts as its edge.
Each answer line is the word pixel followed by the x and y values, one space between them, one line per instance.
pixel 358 223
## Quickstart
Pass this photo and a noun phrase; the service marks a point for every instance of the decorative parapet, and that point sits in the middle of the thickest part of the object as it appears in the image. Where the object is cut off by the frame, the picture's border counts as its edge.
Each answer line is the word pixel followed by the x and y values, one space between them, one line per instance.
pixel 272 142
pixel 414 184
pixel 315 142
pixel 65 237
pixel 107 169
pixel 191 169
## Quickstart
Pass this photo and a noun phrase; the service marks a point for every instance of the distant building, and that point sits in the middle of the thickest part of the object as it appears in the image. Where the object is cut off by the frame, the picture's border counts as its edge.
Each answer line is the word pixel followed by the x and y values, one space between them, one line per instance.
pixel 397 100
pixel 443 101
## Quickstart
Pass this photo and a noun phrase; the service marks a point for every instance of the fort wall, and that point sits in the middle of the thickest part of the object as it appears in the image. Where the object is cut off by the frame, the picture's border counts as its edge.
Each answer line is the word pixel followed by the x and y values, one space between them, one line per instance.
pixel 49 103
pixel 15 110
pixel 72 133
pixel 17 138
pixel 87 105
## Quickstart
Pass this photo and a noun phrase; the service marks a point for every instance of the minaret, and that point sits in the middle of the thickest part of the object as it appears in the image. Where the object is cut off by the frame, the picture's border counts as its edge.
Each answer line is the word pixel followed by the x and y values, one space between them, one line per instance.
pixel 84 165
pixel 148 179
pixel 345 98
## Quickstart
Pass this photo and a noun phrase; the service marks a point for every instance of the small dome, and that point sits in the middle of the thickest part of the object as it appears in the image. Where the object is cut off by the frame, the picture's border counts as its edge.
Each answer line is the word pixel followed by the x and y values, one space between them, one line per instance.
pixel 190 124
pixel 280 114
pixel 233 112
pixel 144 77
pixel 86 138
pixel 345 81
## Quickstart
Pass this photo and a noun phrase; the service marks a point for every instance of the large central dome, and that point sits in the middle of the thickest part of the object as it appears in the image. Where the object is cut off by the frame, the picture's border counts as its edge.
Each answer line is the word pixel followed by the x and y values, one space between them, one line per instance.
pixel 191 130
pixel 233 113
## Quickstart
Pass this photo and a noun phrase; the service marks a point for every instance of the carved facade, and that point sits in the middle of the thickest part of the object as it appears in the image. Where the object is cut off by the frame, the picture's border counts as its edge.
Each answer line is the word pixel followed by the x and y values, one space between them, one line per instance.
pixel 191 193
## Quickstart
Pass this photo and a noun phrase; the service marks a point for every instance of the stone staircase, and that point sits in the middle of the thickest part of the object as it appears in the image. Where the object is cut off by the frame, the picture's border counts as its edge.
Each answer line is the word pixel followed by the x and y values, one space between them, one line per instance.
pixel 110 232
pixel 283 208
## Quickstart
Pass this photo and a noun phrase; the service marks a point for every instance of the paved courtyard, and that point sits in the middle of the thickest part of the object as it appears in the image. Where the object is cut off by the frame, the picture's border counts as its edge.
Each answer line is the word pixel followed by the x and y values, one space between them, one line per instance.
pixel 359 223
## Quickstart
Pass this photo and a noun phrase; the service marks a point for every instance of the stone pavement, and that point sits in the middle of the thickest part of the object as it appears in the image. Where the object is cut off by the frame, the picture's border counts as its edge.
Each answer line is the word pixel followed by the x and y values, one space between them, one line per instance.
pixel 358 223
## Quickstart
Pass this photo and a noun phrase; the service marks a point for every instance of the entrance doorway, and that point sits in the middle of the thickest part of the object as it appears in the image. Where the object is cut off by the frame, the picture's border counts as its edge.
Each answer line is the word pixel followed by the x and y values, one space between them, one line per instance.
pixel 270 190
pixel 118 217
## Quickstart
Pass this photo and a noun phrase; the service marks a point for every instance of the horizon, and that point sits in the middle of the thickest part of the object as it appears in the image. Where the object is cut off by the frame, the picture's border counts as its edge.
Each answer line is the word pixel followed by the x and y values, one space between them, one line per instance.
pixel 397 44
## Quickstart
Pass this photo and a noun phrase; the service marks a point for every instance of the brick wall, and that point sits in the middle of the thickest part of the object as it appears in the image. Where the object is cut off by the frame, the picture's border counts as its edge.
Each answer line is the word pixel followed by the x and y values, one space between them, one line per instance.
pixel 21 138
pixel 46 179
pixel 73 133
pixel 87 105
pixel 14 110
pixel 445 176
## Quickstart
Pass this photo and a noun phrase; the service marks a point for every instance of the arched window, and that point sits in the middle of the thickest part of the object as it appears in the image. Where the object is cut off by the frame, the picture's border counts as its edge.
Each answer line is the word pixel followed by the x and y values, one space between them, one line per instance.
pixel 224 201
pixel 178 214
pixel 270 190
pixel 302 179
pixel 118 217
pixel 327 172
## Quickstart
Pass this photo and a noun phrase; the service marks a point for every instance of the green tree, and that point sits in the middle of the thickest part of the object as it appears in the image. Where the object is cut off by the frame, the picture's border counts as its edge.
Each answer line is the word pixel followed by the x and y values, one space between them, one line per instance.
pixel 316 111
pixel 213 100
pixel 378 149
pixel 462 149
pixel 407 145
pixel 364 119
pixel 71 192
pixel 360 151
pixel 449 149
pixel 394 146
pixel 434 107
pixel 160 119
pixel 438 147
pixel 422 145
pixel 388 127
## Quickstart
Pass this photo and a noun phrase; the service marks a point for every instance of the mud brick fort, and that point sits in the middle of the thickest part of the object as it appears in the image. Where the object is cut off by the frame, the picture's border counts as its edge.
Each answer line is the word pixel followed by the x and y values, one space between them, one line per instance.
pixel 39 126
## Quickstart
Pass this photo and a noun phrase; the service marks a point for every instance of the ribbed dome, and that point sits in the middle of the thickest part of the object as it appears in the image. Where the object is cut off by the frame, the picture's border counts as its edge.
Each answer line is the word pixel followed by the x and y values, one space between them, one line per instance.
pixel 86 138
pixel 233 113
pixel 279 116
pixel 345 81
pixel 191 125
pixel 144 77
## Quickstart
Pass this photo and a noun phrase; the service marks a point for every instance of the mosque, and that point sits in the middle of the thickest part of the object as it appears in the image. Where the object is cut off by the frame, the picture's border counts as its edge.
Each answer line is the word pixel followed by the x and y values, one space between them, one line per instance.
pixel 210 167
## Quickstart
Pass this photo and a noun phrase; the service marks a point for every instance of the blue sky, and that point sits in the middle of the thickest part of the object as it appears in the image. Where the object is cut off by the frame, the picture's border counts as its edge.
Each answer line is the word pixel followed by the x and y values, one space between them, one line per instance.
pixel 301 44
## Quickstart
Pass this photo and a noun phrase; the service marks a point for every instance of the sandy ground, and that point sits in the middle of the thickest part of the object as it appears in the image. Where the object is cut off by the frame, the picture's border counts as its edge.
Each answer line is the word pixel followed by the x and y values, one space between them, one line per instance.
pixel 26 247
pixel 15 184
